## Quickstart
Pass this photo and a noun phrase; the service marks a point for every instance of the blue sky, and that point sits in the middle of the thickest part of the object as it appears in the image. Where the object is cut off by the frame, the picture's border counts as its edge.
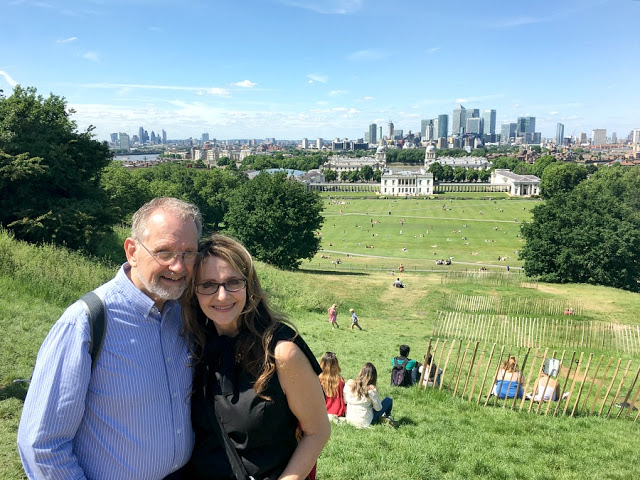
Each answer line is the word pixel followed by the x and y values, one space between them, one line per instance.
pixel 326 68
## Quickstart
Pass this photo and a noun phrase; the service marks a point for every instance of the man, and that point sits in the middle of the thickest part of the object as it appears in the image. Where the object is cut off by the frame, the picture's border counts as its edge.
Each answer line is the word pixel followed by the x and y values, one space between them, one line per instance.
pixel 404 371
pixel 128 418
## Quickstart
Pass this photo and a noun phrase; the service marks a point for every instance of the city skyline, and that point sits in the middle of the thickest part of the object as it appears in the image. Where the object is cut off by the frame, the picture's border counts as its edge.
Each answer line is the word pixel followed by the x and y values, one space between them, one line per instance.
pixel 293 69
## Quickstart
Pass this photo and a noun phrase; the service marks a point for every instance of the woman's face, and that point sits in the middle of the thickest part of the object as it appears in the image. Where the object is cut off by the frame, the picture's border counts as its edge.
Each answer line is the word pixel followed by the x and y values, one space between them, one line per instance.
pixel 223 308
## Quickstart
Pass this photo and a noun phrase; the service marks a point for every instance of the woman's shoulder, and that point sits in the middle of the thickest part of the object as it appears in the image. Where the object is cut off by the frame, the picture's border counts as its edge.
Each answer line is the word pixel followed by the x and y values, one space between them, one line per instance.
pixel 286 333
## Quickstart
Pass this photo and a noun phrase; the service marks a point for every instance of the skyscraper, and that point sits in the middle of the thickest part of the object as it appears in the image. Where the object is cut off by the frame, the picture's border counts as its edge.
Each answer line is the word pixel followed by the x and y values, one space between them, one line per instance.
pixel 526 125
pixel 559 134
pixel 489 121
pixel 508 133
pixel 373 133
pixel 319 143
pixel 473 113
pixel 114 138
pixel 124 141
pixel 205 137
pixel 390 130
pixel 423 127
pixel 443 126
pixel 599 136
pixel 459 121
pixel 141 135
pixel 164 136
pixel 473 126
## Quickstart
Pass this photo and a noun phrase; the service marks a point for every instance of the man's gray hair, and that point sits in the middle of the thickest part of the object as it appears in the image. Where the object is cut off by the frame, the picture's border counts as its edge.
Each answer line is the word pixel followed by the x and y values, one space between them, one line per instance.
pixel 181 209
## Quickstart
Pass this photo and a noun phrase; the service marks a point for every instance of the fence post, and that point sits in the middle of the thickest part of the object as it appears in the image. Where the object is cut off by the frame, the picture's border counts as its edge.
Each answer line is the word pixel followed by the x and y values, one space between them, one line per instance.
pixel 486 371
pixel 446 363
pixel 464 356
pixel 495 376
pixel 573 384
pixel 475 377
pixel 471 365
pixel 424 362
pixel 610 386
pixel 564 387
pixel 624 376
pixel 586 372
pixel 626 397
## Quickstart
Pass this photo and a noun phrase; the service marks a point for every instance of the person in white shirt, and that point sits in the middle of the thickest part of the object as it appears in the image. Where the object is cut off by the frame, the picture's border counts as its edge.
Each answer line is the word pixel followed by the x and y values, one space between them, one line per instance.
pixel 364 406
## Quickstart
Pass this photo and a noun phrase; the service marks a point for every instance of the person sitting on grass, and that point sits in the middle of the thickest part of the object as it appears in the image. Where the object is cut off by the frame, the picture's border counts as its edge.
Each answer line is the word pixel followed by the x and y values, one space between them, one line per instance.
pixel 545 388
pixel 404 372
pixel 364 406
pixel 509 380
pixel 332 385
pixel 434 372
pixel 398 284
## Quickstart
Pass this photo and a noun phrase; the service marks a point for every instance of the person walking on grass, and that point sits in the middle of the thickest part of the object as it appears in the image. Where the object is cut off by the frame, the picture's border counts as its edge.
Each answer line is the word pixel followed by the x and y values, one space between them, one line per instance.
pixel 354 319
pixel 333 316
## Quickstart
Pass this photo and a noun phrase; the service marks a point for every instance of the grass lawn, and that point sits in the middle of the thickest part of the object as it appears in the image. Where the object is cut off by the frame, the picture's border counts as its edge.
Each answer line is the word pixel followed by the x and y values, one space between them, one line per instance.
pixel 439 436
pixel 382 233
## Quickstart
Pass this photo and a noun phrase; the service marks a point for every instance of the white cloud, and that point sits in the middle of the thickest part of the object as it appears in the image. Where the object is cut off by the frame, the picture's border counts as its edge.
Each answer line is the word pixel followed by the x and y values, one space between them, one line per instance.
pixel 244 84
pixel 92 56
pixel 218 91
pixel 461 100
pixel 67 40
pixel 516 22
pixel 368 55
pixel 433 49
pixel 368 98
pixel 554 113
pixel 335 93
pixel 8 78
pixel 326 7
pixel 314 77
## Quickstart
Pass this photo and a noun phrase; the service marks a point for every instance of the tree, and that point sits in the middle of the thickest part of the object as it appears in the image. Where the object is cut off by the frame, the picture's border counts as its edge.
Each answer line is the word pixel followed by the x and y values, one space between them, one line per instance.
pixel 459 174
pixel 541 163
pixel 330 175
pixel 585 236
pixel 484 175
pixel 276 218
pixel 377 176
pixel 366 173
pixel 561 178
pixel 50 173
pixel 472 175
pixel 437 170
pixel 447 173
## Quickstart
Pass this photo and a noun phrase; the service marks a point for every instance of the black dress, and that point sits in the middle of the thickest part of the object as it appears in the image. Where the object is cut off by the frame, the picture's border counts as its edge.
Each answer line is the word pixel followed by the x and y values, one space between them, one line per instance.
pixel 263 431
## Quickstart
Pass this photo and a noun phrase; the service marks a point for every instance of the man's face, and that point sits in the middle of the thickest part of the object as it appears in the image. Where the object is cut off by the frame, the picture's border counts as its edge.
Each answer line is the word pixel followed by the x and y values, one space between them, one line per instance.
pixel 166 232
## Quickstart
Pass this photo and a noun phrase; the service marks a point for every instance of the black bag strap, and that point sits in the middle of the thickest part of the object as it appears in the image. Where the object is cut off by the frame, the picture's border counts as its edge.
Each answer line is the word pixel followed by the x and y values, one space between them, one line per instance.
pixel 96 312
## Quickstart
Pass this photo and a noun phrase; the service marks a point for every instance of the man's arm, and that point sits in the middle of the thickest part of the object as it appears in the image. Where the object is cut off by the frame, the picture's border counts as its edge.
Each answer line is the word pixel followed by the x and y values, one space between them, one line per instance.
pixel 55 402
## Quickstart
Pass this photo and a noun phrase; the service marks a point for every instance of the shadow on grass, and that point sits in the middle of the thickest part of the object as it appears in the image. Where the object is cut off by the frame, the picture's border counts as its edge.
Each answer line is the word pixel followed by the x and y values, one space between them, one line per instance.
pixel 334 272
pixel 17 390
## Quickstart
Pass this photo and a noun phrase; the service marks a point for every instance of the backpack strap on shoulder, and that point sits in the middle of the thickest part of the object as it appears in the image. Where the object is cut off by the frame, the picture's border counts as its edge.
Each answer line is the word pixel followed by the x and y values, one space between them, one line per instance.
pixel 96 311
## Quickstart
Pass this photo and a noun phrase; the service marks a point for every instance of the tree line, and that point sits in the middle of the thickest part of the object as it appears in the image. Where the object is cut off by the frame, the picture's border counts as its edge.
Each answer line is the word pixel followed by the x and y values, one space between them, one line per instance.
pixel 60 186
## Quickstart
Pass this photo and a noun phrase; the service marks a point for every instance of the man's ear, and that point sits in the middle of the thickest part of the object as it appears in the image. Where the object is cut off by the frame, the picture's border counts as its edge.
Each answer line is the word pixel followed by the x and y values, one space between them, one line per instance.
pixel 130 250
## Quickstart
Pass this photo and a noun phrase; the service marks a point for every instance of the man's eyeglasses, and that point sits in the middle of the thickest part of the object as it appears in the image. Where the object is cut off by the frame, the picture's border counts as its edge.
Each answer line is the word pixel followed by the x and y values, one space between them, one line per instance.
pixel 231 285
pixel 165 257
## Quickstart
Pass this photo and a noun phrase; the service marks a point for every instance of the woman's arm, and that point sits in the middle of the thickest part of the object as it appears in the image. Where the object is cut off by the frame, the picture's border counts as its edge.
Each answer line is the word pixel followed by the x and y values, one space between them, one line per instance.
pixel 374 396
pixel 306 401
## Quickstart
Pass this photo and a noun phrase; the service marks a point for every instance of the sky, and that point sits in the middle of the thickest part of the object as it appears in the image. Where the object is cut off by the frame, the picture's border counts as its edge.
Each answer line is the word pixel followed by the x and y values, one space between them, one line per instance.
pixel 291 69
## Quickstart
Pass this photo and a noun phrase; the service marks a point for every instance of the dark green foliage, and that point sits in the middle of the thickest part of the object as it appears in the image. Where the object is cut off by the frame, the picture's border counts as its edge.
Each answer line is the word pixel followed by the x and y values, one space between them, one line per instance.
pixel 410 156
pixel 276 218
pixel 541 163
pixel 588 235
pixel 50 173
pixel 560 178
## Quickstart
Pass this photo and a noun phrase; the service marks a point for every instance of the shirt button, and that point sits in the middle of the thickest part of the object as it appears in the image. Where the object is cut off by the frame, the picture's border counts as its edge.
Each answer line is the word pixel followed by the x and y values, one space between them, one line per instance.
pixel 179 431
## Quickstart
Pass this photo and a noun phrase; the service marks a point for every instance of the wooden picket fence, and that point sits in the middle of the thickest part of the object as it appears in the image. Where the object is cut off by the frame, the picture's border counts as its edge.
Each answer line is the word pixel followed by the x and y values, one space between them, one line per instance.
pixel 488 278
pixel 509 306
pixel 565 332
pixel 588 384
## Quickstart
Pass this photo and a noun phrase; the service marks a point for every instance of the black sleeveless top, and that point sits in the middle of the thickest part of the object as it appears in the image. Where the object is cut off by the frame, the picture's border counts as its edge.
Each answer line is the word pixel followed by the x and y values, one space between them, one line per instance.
pixel 263 431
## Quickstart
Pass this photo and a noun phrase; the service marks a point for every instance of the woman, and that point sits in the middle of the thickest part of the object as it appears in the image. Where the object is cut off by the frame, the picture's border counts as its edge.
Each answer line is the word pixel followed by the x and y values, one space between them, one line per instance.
pixel 254 369
pixel 545 388
pixel 364 406
pixel 332 385
pixel 509 380
pixel 333 316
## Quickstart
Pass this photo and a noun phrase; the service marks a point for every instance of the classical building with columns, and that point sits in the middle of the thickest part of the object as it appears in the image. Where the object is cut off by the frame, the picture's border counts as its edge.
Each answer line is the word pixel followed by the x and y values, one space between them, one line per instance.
pixel 519 185
pixel 476 163
pixel 340 163
pixel 406 183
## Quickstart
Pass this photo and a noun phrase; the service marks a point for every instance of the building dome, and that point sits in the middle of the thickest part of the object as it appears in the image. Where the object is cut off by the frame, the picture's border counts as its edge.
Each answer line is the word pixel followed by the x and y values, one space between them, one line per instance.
pixel 431 148
pixel 381 149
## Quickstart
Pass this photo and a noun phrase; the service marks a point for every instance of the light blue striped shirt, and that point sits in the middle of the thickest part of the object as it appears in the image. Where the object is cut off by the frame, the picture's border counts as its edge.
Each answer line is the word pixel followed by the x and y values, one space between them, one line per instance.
pixel 130 418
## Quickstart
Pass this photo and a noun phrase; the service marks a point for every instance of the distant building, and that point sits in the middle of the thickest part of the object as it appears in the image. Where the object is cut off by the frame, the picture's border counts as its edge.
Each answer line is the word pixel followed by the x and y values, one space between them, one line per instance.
pixel 390 130
pixel 305 143
pixel 508 133
pixel 373 133
pixel 124 141
pixel 164 137
pixel 599 136
pixel 205 138
pixel 441 126
pixel 474 126
pixel 469 162
pixel 339 163
pixel 489 122
pixel 520 185
pixel 319 143
pixel 559 134
pixel 406 183
pixel 114 138
pixel 459 121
